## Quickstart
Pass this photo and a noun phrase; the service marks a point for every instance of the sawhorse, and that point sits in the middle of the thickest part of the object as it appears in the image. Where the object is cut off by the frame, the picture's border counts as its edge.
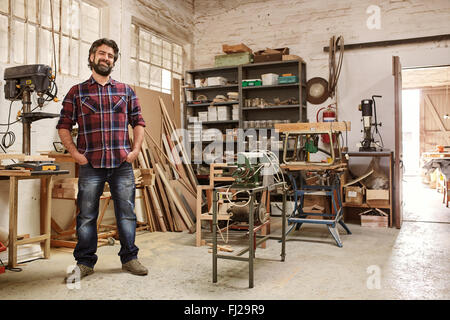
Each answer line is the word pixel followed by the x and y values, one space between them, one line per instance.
pixel 298 216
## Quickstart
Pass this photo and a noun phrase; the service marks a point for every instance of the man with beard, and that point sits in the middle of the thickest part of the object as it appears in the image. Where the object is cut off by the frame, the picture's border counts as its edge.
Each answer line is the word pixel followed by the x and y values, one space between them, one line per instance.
pixel 103 108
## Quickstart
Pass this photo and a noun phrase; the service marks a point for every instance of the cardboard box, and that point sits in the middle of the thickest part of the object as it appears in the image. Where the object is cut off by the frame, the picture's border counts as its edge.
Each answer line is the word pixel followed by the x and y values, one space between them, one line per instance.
pixel 267 57
pixel 212 113
pixel 236 48
pixel 203 116
pixel 270 54
pixel 373 221
pixel 233 59
pixel 354 195
pixel 216 81
pixel 374 194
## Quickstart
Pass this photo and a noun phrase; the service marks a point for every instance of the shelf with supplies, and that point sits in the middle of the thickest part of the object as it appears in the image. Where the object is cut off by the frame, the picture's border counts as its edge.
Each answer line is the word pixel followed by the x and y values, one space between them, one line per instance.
pixel 364 197
pixel 206 104
pixel 232 96
pixel 275 107
pixel 272 86
pixel 227 86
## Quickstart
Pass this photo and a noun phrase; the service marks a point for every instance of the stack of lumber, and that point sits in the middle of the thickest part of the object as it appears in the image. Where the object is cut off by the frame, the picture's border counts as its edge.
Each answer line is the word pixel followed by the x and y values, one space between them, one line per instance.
pixel 170 198
pixel 66 188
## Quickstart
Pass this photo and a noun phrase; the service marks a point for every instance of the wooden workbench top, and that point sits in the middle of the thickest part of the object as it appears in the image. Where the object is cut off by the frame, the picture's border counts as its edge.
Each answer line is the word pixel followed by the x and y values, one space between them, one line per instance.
pixel 312 167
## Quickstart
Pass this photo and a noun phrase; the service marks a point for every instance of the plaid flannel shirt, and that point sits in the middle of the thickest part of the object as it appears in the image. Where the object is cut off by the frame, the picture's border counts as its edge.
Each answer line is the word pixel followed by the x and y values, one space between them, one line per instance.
pixel 103 114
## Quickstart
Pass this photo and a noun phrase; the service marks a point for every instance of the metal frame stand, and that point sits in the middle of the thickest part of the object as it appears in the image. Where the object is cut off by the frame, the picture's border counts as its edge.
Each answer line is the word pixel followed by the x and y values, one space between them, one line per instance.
pixel 299 217
pixel 252 242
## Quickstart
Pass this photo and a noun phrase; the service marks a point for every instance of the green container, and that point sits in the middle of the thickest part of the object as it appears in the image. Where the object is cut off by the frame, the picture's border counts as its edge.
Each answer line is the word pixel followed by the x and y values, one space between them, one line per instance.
pixel 251 83
pixel 288 79
pixel 233 59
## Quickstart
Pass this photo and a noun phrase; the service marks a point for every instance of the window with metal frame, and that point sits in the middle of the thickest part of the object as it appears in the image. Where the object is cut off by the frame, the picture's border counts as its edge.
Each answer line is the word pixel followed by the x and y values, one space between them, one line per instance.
pixel 154 59
pixel 27 28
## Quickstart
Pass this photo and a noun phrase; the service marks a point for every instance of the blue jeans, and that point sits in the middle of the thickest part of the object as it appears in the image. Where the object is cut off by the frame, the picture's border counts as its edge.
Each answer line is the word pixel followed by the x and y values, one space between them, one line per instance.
pixel 91 183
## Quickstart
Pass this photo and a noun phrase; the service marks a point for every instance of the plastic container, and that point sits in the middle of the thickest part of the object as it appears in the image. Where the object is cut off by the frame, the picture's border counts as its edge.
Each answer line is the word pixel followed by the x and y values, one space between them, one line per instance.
pixel 288 79
pixel 269 79
pixel 251 82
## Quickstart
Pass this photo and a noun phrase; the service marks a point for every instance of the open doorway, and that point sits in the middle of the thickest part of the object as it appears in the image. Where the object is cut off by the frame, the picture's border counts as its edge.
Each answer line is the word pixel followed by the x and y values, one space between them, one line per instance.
pixel 425 126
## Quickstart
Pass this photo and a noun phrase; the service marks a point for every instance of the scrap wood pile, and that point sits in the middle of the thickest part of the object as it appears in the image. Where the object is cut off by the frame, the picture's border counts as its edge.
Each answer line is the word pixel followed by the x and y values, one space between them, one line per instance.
pixel 170 194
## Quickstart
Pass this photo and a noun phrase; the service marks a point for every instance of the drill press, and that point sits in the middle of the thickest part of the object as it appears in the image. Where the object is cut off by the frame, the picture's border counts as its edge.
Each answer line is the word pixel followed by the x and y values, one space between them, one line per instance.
pixel 21 81
pixel 368 143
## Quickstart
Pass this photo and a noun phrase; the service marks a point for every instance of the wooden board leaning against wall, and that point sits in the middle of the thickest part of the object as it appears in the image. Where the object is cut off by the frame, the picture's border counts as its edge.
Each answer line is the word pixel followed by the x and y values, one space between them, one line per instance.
pixel 172 199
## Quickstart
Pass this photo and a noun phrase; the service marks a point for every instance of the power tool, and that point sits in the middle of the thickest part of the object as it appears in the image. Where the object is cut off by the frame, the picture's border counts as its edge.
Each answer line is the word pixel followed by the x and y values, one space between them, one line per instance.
pixel 368 143
pixel 21 81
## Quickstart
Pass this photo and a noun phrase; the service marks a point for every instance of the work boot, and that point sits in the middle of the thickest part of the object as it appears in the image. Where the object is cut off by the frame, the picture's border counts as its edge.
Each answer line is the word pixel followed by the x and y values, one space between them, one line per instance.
pixel 135 267
pixel 80 271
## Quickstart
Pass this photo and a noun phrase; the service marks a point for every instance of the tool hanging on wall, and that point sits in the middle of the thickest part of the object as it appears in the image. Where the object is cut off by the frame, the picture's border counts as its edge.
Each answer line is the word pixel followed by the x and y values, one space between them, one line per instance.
pixel 334 68
pixel 318 89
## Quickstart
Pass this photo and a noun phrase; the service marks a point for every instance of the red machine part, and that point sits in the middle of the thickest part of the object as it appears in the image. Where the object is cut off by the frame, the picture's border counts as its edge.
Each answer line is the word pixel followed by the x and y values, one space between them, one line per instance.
pixel 328 115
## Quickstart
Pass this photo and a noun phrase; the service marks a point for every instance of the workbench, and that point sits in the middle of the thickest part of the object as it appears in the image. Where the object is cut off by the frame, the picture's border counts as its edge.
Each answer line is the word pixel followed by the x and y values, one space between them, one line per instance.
pixel 252 229
pixel 46 178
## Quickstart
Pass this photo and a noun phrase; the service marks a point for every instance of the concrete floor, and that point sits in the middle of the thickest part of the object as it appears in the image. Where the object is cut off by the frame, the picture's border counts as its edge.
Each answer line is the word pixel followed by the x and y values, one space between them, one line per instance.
pixel 411 263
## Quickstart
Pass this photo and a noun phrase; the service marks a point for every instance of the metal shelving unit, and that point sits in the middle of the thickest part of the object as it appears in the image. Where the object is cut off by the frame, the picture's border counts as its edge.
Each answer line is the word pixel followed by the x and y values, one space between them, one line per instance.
pixel 295 92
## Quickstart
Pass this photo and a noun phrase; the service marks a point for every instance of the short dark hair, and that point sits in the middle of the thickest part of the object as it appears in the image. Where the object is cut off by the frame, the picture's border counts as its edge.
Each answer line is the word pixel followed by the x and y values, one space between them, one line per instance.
pixel 97 43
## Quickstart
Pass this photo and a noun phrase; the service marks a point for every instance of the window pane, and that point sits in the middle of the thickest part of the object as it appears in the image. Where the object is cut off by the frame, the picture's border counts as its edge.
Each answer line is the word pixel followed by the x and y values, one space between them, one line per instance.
pixel 85 72
pixel 46 18
pixel 90 22
pixel 74 56
pixel 31 45
pixel 156 51
pixel 177 49
pixel 56 17
pixel 144 45
pixel 4 38
pixel 144 74
pixel 166 79
pixel 18 40
pixel 133 72
pixel 45 47
pixel 75 19
pixel 32 10
pixel 4 6
pixel 134 41
pixel 167 55
pixel 65 25
pixel 45 13
pixel 177 66
pixel 19 8
pixel 52 64
pixel 155 76
pixel 65 65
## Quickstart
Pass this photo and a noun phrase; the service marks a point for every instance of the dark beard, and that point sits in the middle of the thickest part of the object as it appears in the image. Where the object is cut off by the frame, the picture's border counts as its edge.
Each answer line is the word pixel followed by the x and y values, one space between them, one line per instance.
pixel 101 69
